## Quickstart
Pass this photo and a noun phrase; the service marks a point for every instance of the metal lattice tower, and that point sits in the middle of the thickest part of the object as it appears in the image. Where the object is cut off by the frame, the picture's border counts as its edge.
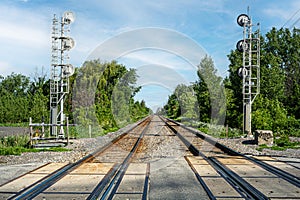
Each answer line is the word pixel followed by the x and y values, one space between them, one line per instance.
pixel 60 71
pixel 250 71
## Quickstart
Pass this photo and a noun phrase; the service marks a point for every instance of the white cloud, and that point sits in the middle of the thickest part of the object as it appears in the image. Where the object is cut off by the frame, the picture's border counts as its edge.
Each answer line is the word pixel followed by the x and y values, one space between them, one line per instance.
pixel 19 27
pixel 150 38
pixel 156 57
pixel 18 34
pixel 159 75
pixel 25 40
pixel 5 68
pixel 25 27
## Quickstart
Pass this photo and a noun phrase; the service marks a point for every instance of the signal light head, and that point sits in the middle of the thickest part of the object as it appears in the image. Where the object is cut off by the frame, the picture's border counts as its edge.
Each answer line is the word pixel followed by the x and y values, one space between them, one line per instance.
pixel 242 46
pixel 68 43
pixel 243 19
pixel 68 17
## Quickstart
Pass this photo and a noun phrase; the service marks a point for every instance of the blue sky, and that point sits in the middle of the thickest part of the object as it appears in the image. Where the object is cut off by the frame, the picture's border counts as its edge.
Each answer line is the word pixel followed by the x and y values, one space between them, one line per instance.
pixel 26 26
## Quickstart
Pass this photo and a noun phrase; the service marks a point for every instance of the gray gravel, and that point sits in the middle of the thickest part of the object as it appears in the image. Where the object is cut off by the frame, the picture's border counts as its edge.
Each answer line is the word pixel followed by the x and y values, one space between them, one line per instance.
pixel 79 148
pixel 247 146
pixel 237 144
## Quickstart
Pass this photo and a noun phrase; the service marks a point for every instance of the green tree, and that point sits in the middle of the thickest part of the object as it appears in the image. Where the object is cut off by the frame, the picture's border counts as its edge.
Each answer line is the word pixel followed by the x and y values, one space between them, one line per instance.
pixel 210 93
pixel 172 107
pixel 14 98
pixel 283 46
pixel 278 102
pixel 188 101
pixel 39 108
pixel 122 98
pixel 233 87
pixel 16 84
pixel 103 95
pixel 83 92
pixel 269 114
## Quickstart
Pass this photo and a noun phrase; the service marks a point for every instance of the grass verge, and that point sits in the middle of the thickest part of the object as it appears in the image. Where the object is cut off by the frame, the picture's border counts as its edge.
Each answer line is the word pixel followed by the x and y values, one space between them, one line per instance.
pixel 281 144
pixel 21 124
pixel 16 145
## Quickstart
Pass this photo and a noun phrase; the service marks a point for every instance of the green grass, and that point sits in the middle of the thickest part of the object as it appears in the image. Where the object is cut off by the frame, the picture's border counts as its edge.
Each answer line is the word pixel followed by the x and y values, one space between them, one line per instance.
pixel 13 150
pixel 20 150
pixel 110 130
pixel 296 145
pixel 15 141
pixel 281 144
pixel 16 145
pixel 218 131
pixel 21 124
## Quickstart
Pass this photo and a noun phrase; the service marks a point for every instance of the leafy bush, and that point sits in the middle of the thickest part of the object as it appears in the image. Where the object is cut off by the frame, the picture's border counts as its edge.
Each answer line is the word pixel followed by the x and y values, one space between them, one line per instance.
pixel 215 130
pixel 269 115
pixel 14 141
pixel 283 141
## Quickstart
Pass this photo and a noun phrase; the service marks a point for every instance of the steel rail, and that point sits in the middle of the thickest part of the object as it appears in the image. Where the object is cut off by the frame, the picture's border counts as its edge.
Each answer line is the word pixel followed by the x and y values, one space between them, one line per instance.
pixel 59 174
pixel 274 170
pixel 290 164
pixel 250 191
pixel 146 183
pixel 107 189
pixel 35 183
pixel 278 172
pixel 24 174
pixel 241 186
pixel 201 181
pixel 119 176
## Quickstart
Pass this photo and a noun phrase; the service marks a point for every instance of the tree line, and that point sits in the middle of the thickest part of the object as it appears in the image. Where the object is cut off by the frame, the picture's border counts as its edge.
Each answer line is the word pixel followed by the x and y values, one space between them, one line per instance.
pixel 101 93
pixel 21 98
pixel 276 108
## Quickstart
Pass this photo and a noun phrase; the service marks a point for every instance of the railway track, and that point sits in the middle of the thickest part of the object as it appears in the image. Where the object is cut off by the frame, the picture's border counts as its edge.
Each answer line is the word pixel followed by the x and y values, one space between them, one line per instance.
pixel 225 161
pixel 159 159
pixel 114 174
pixel 295 180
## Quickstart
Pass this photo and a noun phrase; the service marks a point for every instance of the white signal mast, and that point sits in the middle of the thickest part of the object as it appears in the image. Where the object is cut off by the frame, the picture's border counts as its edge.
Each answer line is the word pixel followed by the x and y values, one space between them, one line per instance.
pixel 250 71
pixel 61 70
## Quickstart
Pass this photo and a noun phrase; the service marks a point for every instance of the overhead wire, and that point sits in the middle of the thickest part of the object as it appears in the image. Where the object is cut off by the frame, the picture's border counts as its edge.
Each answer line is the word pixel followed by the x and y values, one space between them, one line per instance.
pixel 293 25
pixel 291 19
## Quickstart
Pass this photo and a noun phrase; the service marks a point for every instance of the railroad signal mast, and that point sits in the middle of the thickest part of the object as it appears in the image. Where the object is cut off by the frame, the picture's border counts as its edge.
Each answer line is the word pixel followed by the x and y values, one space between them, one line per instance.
pixel 250 71
pixel 61 70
